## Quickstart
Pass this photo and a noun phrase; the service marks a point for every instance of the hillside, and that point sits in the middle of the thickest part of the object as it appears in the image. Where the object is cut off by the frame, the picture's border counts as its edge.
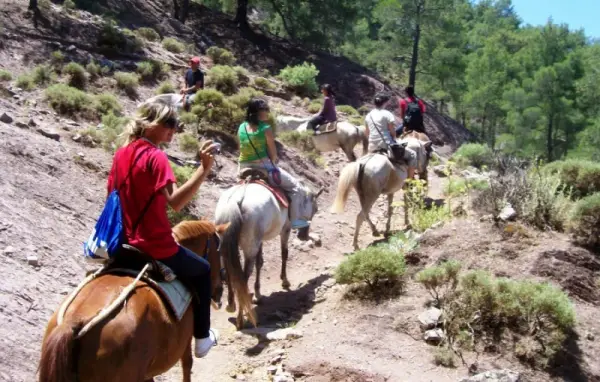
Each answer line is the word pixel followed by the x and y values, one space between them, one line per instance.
pixel 52 183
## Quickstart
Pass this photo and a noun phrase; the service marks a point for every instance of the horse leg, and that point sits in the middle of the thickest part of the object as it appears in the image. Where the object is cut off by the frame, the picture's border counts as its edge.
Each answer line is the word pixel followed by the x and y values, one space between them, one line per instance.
pixel 259 263
pixel 390 209
pixel 349 153
pixel 248 265
pixel 186 363
pixel 406 220
pixel 359 220
pixel 371 224
pixel 230 297
pixel 285 236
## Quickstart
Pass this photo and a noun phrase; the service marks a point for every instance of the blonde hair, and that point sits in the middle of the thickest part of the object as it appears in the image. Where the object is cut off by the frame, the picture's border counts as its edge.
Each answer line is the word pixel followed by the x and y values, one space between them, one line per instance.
pixel 148 116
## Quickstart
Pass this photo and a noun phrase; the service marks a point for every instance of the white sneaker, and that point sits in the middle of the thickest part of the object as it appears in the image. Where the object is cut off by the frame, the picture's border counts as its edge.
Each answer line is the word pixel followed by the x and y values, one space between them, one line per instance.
pixel 203 345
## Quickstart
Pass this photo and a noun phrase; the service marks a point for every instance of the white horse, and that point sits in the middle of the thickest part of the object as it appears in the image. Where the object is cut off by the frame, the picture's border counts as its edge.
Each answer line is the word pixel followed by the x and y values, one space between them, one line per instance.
pixel 255 216
pixel 371 176
pixel 289 122
pixel 346 136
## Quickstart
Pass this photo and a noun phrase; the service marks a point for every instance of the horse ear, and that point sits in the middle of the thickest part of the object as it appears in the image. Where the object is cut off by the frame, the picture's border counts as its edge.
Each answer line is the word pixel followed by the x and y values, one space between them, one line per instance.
pixel 427 144
pixel 319 192
pixel 222 228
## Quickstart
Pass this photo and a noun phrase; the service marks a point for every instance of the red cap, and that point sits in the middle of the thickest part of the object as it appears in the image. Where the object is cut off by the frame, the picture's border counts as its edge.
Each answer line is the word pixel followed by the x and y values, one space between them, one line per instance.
pixel 195 60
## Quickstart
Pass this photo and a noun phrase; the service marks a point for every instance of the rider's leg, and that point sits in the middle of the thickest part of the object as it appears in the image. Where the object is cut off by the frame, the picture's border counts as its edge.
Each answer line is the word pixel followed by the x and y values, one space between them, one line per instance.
pixel 195 272
pixel 294 191
pixel 410 156
pixel 315 122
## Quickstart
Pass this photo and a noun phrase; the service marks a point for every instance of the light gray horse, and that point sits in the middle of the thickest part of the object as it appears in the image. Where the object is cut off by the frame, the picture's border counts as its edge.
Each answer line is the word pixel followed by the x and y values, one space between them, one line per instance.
pixel 256 216
pixel 371 176
pixel 170 99
pixel 345 137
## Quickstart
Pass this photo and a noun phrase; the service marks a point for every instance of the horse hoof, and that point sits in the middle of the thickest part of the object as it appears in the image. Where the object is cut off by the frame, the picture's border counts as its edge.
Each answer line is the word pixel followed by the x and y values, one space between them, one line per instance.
pixel 230 308
pixel 257 300
pixel 376 234
pixel 286 284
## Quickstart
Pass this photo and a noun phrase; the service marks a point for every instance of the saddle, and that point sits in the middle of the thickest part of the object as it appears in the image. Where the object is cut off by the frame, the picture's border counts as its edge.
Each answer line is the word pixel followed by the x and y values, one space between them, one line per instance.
pixel 260 176
pixel 327 128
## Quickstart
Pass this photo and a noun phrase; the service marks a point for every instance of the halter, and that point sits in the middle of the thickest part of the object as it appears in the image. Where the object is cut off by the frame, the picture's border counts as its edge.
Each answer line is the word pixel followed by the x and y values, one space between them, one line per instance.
pixel 205 255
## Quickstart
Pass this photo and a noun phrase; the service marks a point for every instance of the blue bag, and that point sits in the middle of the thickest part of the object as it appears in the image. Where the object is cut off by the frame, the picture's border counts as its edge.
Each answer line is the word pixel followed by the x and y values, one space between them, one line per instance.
pixel 108 235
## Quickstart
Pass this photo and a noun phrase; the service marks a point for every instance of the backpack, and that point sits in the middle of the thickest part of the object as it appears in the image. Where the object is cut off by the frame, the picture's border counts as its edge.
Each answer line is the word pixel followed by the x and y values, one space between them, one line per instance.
pixel 413 118
pixel 108 235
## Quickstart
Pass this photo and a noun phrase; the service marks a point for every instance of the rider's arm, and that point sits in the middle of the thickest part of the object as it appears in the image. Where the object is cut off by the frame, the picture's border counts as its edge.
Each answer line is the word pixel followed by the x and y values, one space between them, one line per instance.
pixel 402 109
pixel 178 197
pixel 271 148
pixel 392 130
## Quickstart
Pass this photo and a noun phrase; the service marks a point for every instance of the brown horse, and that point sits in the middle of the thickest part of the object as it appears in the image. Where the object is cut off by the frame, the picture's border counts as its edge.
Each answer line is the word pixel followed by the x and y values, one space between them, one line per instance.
pixel 139 340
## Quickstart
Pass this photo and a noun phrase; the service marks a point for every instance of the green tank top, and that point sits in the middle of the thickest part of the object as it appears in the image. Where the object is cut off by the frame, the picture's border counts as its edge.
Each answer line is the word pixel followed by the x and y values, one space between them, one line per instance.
pixel 259 140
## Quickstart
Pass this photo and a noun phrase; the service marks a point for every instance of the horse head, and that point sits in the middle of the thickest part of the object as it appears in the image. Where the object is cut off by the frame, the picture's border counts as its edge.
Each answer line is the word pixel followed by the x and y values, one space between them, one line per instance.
pixel 311 207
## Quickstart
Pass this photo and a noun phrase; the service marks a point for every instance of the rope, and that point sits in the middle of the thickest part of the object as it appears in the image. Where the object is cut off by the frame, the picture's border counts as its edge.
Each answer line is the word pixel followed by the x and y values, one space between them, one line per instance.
pixel 67 303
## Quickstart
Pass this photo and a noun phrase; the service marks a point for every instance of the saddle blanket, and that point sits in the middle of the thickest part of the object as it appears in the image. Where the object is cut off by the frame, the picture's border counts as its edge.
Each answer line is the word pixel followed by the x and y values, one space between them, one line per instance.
pixel 277 192
pixel 174 294
pixel 328 127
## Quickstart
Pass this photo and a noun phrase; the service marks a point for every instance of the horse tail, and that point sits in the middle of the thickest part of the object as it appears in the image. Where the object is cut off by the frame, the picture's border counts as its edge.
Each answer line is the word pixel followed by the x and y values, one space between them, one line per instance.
pixel 365 140
pixel 231 254
pixel 58 362
pixel 348 178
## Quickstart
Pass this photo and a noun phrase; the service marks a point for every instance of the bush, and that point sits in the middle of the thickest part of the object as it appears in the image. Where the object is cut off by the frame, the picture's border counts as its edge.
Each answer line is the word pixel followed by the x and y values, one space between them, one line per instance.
pixel 583 177
pixel 182 173
pixel 188 142
pixel 188 118
pixel 5 75
pixel 300 140
pixel 296 101
pixel 107 103
pixel 76 73
pixel 264 83
pixel 421 216
pixel 314 107
pixel 357 121
pixel 459 186
pixel 148 34
pixel 348 110
pixel 25 82
pixel 301 79
pixel 473 154
pixel 127 82
pixel 440 280
pixel 93 69
pixel 67 100
pixel 112 128
pixel 243 97
pixel 165 87
pixel 173 45
pixel 364 110
pixel 69 5
pixel 220 56
pixel 372 265
pixel 57 58
pixel 112 39
pixel 443 356
pixel 152 70
pixel 43 75
pixel 223 116
pixel 584 220
pixel 224 78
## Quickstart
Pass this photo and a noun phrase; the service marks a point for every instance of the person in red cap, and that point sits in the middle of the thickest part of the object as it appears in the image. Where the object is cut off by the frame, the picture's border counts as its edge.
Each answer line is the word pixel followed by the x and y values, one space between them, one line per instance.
pixel 193 80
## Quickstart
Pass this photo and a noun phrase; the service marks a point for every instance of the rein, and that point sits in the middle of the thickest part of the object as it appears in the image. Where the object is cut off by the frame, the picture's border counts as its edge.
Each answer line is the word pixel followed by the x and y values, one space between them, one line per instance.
pixel 222 271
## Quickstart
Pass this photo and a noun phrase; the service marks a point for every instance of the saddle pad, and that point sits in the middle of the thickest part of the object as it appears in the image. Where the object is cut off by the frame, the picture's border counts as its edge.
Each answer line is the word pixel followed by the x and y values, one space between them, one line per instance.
pixel 174 294
pixel 277 192
pixel 328 128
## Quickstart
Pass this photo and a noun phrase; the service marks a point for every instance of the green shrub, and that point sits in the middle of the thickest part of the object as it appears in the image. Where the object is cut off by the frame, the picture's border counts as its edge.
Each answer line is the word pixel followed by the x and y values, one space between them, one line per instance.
pixel 43 75
pixel 296 101
pixel 243 97
pixel 113 39
pixel 440 280
pixel 183 215
pixel 25 82
pixel 583 177
pixel 93 69
pixel 314 107
pixel 90 137
pixel 152 70
pixel 443 356
pixel 357 121
pixel 188 118
pixel 69 5
pixel 148 33
pixel 263 83
pixel 76 73
pixel 301 140
pixel 188 142
pixel 584 220
pixel 301 79
pixel 224 115
pixel 112 128
pixel 165 87
pixel 347 109
pixel 547 204
pixel 67 100
pixel 182 173
pixel 107 103
pixel 57 58
pixel 173 45
pixel 473 154
pixel 220 56
pixel 127 82
pixel 372 265
pixel 134 42
pixel 421 216
pixel 224 78
pixel 364 110
pixel 456 186
pixel 5 75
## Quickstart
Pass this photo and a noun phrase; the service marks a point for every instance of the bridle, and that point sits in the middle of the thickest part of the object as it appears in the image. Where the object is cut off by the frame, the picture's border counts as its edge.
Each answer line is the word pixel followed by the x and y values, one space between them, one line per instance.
pixel 217 241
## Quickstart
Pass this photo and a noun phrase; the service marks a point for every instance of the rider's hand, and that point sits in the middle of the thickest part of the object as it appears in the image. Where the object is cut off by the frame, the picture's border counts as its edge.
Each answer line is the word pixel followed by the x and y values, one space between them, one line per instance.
pixel 205 153
pixel 182 91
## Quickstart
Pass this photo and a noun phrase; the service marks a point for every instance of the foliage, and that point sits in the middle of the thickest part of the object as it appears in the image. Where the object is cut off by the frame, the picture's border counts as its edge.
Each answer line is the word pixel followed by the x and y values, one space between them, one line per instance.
pixel 243 97
pixel 421 216
pixel 301 78
pixel 152 70
pixel 188 142
pixel 113 39
pixel 128 82
pixel 456 186
pixel 76 73
pixel 25 82
pixel 188 118
pixel 220 56
pixel 69 4
pixel 224 115
pixel 440 280
pixel 224 78
pixel 43 75
pixel 314 107
pixel 301 140
pixel 182 173
pixel 473 154
pixel 94 70
pixel 173 45
pixel 107 103
pixel 149 34
pixel 165 87
pixel 348 110
pixel 112 128
pixel 5 75
pixel 443 356
pixel 57 58
pixel 67 100
pixel 583 177
pixel 263 83
pixel 584 220
pixel 373 266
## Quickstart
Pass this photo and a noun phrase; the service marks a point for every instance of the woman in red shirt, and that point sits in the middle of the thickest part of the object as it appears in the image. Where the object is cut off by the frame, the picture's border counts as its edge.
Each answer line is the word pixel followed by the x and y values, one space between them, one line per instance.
pixel 149 186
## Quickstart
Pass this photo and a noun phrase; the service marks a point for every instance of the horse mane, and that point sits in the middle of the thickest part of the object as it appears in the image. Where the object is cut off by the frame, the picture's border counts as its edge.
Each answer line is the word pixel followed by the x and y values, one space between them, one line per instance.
pixel 192 229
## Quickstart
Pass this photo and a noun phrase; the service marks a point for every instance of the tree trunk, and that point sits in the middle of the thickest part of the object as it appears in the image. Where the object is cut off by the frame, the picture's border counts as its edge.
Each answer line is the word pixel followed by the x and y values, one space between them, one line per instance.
pixel 176 11
pixel 241 15
pixel 288 28
pixel 185 10
pixel 550 139
pixel 415 50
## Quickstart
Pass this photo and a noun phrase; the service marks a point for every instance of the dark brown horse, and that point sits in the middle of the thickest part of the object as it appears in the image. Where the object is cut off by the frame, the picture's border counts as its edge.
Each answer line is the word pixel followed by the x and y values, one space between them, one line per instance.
pixel 140 339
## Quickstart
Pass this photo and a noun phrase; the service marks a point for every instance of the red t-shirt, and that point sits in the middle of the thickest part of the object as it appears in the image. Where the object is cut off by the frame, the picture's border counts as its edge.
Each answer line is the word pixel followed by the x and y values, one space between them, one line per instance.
pixel 404 104
pixel 150 174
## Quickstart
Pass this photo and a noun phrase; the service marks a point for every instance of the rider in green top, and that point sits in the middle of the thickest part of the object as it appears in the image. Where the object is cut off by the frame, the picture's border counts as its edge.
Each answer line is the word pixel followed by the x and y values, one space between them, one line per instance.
pixel 257 150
